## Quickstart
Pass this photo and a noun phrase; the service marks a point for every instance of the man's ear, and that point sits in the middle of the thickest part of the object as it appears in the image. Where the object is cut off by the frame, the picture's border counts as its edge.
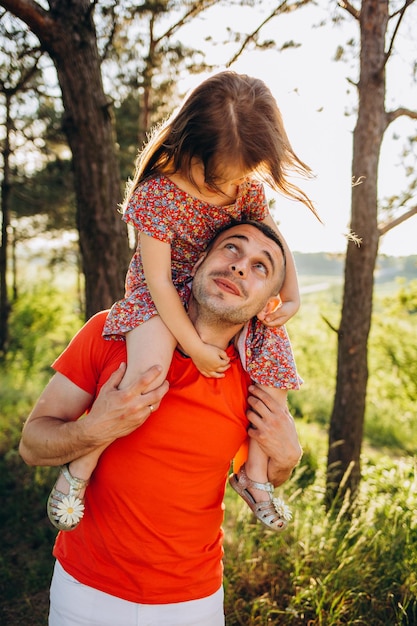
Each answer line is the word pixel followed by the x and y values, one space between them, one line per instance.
pixel 272 305
pixel 197 265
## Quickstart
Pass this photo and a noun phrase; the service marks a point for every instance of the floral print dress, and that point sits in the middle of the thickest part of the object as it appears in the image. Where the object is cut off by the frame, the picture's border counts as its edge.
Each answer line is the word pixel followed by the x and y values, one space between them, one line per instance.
pixel 162 210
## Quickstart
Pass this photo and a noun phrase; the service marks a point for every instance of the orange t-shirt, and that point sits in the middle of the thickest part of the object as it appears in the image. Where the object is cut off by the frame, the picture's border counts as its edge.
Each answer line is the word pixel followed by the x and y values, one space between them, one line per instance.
pixel 151 531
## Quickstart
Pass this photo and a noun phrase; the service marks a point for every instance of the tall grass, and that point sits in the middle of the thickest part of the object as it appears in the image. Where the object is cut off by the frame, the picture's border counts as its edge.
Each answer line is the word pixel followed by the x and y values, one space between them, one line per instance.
pixel 354 567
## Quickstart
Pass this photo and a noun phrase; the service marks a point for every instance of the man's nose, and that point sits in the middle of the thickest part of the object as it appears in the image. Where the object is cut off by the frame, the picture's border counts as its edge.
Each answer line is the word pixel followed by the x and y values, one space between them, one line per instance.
pixel 239 268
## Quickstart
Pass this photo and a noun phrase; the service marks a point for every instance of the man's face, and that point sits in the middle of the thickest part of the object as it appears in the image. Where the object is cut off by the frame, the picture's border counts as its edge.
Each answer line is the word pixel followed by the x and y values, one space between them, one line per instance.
pixel 241 272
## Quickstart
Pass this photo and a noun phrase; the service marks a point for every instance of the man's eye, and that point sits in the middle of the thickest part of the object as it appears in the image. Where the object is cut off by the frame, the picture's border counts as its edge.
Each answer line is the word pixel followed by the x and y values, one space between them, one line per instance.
pixel 230 246
pixel 261 268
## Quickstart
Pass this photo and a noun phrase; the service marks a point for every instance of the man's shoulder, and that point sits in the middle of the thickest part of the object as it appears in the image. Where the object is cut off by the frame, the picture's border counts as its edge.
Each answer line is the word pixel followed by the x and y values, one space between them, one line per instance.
pixel 91 332
pixel 90 337
pixel 89 357
pixel 96 323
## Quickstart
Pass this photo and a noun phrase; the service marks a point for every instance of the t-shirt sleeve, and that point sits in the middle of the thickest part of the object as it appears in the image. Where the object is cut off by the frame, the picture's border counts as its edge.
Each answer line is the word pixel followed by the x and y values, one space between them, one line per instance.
pixel 82 360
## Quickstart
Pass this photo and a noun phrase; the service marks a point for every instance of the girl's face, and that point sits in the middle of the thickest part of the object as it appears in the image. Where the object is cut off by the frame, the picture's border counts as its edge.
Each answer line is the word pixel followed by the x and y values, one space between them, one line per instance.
pixel 224 189
pixel 229 179
pixel 230 187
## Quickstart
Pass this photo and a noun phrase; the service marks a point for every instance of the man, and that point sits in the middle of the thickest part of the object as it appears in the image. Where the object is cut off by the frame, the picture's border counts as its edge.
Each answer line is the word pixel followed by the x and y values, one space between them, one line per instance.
pixel 149 547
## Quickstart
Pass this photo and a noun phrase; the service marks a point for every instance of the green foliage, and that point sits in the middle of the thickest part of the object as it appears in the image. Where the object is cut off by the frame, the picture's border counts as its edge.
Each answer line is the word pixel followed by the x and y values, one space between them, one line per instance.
pixel 392 393
pixel 42 322
pixel 27 537
pixel 48 192
pixel 315 344
pixel 126 121
pixel 392 385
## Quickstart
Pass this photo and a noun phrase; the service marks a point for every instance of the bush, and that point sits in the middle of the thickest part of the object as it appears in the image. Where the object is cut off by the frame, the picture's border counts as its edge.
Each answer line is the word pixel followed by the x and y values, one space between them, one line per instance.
pixel 41 324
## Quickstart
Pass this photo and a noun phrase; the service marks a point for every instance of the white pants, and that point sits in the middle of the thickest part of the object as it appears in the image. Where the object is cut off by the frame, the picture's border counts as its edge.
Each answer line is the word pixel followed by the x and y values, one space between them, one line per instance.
pixel 75 604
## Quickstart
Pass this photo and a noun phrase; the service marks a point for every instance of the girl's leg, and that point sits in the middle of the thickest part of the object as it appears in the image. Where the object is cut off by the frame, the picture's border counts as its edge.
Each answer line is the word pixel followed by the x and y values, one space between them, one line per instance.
pixel 65 505
pixel 257 470
pixel 149 344
pixel 257 461
pixel 252 484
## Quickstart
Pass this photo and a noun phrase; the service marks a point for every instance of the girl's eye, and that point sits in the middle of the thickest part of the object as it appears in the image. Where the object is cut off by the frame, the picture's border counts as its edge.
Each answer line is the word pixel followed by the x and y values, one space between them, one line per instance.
pixel 230 246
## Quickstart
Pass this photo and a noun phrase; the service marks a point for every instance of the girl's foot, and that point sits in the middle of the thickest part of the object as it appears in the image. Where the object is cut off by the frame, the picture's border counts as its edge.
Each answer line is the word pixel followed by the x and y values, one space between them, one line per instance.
pixel 65 505
pixel 271 512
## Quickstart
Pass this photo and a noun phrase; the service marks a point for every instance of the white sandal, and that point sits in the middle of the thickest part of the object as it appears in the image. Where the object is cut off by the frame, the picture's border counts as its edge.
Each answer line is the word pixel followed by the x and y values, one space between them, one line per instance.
pixel 274 513
pixel 66 510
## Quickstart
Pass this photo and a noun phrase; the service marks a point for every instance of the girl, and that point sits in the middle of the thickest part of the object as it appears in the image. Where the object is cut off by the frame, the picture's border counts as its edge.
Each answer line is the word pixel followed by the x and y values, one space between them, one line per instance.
pixel 199 171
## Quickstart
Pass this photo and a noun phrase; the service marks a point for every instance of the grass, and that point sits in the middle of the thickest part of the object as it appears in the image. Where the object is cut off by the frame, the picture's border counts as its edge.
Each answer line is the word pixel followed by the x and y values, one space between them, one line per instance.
pixel 26 542
pixel 354 567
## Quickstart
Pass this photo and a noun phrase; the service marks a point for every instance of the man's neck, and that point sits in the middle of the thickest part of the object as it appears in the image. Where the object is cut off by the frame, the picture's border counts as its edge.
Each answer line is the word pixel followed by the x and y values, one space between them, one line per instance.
pixel 217 335
pixel 213 331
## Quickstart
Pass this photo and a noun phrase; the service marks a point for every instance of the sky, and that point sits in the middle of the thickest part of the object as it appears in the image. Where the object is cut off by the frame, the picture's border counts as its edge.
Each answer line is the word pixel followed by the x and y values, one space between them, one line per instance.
pixel 315 96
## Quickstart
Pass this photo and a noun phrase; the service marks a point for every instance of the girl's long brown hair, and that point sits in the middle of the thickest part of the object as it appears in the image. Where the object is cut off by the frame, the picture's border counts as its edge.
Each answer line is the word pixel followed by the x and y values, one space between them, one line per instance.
pixel 230 119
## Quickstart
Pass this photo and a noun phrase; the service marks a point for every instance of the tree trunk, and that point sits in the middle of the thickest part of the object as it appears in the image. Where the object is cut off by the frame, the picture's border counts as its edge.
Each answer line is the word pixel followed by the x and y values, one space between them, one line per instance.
pixel 5 220
pixel 347 419
pixel 68 34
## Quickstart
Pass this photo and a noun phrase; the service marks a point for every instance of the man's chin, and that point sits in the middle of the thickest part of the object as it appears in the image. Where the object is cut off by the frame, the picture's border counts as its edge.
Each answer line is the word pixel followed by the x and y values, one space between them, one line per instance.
pixel 228 315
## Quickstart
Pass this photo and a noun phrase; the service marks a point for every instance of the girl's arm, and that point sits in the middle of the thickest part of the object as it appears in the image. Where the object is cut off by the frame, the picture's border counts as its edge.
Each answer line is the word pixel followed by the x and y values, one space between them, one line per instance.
pixel 156 259
pixel 289 293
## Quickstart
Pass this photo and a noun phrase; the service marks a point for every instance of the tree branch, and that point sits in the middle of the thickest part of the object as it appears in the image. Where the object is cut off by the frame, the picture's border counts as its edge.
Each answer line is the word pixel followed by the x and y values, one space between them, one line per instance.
pixel 408 2
pixel 194 10
pixel 350 9
pixel 282 8
pixel 393 115
pixel 326 321
pixel 253 34
pixel 113 30
pixel 30 12
pixel 400 13
pixel 26 77
pixel 384 228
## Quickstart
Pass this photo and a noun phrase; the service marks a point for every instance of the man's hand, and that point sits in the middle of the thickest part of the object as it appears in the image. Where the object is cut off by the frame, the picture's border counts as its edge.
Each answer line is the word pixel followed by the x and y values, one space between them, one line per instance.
pixel 53 434
pixel 118 412
pixel 274 430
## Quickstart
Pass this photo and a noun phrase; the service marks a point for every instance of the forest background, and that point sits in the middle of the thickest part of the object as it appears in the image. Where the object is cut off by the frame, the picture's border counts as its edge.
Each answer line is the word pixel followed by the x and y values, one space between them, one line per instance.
pixel 339 563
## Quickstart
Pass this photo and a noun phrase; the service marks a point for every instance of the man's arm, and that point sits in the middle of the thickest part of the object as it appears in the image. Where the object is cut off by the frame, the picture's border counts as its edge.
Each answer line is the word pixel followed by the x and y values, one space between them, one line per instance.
pixel 54 434
pixel 275 432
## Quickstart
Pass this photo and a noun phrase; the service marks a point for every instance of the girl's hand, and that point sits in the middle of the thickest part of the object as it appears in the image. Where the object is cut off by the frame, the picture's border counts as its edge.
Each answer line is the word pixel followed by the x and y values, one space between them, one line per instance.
pixel 281 315
pixel 211 361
